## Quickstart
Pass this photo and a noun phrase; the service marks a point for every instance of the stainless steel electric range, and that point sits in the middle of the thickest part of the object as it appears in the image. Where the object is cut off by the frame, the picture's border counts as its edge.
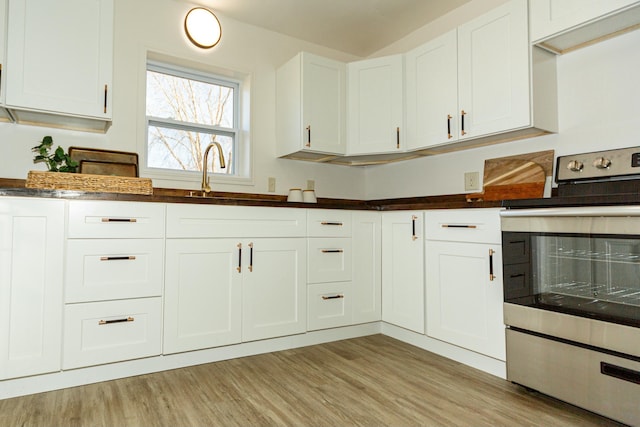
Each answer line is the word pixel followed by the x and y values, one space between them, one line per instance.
pixel 572 285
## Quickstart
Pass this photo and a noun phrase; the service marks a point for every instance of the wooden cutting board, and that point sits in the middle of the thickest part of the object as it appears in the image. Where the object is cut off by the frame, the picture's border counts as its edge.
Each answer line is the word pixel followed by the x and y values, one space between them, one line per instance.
pixel 515 177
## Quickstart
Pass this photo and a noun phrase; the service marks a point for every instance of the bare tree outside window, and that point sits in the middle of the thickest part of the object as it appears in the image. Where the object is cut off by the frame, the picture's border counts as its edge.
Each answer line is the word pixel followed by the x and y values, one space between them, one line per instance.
pixel 184 115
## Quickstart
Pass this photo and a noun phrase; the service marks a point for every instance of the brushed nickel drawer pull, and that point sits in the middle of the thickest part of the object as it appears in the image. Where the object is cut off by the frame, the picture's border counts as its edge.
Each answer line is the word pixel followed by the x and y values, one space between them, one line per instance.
pixel 109 322
pixel 333 297
pixel 459 226
pixel 117 258
pixel 332 251
pixel 119 220
pixel 331 223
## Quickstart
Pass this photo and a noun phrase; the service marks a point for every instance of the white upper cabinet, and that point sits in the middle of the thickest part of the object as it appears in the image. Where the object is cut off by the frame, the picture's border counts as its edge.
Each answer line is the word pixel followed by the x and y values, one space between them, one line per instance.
pixel 573 19
pixel 310 105
pixel 59 62
pixel 375 105
pixel 4 116
pixel 480 82
pixel 493 72
pixel 432 92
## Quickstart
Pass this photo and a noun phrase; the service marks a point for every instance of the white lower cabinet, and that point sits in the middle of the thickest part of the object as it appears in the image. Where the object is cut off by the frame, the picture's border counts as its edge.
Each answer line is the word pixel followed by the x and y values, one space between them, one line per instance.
pixel 366 278
pixel 464 280
pixel 403 270
pixel 109 331
pixel 330 305
pixel 225 291
pixel 31 271
pixel 203 294
pixel 274 292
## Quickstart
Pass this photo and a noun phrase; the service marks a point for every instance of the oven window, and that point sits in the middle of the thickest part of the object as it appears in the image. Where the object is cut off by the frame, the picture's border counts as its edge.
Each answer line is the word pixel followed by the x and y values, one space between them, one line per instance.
pixel 595 276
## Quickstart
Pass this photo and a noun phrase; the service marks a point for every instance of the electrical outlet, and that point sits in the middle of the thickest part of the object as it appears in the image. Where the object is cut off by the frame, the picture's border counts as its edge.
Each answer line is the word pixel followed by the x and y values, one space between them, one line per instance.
pixel 311 184
pixel 272 185
pixel 471 181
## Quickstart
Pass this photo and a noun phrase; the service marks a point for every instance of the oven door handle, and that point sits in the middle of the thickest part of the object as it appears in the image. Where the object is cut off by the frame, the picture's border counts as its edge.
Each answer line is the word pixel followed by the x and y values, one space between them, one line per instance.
pixel 491 275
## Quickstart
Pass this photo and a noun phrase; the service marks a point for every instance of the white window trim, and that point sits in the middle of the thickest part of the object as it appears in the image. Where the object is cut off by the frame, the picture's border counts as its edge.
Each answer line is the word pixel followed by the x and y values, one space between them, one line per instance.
pixel 242 160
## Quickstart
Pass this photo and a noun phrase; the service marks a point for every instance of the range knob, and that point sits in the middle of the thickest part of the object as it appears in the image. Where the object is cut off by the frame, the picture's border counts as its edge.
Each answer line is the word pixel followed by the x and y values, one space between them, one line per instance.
pixel 575 166
pixel 602 163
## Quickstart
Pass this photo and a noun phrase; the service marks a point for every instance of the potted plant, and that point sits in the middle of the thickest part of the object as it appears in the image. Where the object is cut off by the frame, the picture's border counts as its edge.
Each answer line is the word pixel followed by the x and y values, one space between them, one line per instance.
pixel 58 161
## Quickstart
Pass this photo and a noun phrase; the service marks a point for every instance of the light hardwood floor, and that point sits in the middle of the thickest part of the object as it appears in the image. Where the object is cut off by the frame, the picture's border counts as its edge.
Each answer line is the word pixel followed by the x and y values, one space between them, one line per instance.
pixel 369 381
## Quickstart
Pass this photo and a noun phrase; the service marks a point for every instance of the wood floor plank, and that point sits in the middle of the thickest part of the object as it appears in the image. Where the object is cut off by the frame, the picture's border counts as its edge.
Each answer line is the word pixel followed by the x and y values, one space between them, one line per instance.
pixel 368 381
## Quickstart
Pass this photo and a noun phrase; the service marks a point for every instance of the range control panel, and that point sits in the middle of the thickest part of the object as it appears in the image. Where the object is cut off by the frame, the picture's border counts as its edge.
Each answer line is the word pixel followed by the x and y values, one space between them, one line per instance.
pixel 623 162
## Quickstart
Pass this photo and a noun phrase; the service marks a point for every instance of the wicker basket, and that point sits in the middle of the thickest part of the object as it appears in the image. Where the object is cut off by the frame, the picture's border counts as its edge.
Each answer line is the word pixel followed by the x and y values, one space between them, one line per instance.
pixel 87 182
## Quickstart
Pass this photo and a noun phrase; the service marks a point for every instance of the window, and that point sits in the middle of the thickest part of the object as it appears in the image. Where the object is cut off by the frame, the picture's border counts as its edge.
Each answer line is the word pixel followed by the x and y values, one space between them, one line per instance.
pixel 185 111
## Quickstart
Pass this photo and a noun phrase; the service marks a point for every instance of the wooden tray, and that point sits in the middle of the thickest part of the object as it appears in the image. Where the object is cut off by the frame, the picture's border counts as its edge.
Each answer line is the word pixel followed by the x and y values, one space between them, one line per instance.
pixel 88 182
pixel 80 154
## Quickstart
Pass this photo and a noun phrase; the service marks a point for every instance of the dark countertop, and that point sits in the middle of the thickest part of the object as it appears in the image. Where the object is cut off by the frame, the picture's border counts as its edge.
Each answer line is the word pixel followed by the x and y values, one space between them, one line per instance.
pixel 16 188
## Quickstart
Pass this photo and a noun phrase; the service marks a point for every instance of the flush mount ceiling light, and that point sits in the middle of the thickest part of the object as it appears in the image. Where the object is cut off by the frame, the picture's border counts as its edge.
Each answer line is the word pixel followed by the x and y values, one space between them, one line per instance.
pixel 202 27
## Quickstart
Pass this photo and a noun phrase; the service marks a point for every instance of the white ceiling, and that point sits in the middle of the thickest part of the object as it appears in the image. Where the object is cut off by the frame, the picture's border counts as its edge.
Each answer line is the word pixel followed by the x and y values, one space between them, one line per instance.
pixel 358 27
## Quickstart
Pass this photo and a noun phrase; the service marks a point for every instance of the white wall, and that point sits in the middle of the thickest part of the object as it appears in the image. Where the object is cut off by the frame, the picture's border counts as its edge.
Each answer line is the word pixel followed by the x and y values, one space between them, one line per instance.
pixel 599 109
pixel 156 25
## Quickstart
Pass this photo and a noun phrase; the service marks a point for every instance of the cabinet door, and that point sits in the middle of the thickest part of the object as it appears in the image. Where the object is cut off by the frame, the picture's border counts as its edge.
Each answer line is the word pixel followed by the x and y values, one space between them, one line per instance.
pixel 432 92
pixel 274 288
pixel 493 67
pixel 548 17
pixel 464 302
pixel 4 117
pixel 403 270
pixel 59 56
pixel 366 279
pixel 203 291
pixel 323 104
pixel 375 106
pixel 31 261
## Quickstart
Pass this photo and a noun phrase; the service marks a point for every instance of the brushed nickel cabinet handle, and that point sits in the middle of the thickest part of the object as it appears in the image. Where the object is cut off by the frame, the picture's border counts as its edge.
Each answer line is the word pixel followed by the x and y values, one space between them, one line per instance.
pixel 449 136
pixel 308 144
pixel 109 322
pixel 239 267
pixel 491 275
pixel 250 257
pixel 117 258
pixel 333 297
pixel 330 223
pixel 397 137
pixel 332 251
pixel 413 227
pixel 119 220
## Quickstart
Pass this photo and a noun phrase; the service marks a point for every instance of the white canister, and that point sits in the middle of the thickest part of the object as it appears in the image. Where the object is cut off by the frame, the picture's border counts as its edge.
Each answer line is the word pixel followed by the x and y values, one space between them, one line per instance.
pixel 309 196
pixel 295 195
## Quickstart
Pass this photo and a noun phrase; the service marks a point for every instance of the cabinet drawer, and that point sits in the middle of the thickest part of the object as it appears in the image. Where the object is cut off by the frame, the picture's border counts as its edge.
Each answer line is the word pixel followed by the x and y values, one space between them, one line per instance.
pixel 202 221
pixel 105 332
pixel 328 223
pixel 115 220
pixel 109 269
pixel 329 305
pixel 329 260
pixel 464 225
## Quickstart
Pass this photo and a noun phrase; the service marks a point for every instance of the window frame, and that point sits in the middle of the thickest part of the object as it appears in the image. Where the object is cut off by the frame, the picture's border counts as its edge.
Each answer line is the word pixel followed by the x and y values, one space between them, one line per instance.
pixel 241 150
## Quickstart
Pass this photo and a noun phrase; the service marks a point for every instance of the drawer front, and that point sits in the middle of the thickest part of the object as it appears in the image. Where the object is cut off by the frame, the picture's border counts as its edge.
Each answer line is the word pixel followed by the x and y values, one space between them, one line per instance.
pixel 205 221
pixel 109 269
pixel 112 220
pixel 464 225
pixel 105 332
pixel 329 260
pixel 328 223
pixel 329 305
